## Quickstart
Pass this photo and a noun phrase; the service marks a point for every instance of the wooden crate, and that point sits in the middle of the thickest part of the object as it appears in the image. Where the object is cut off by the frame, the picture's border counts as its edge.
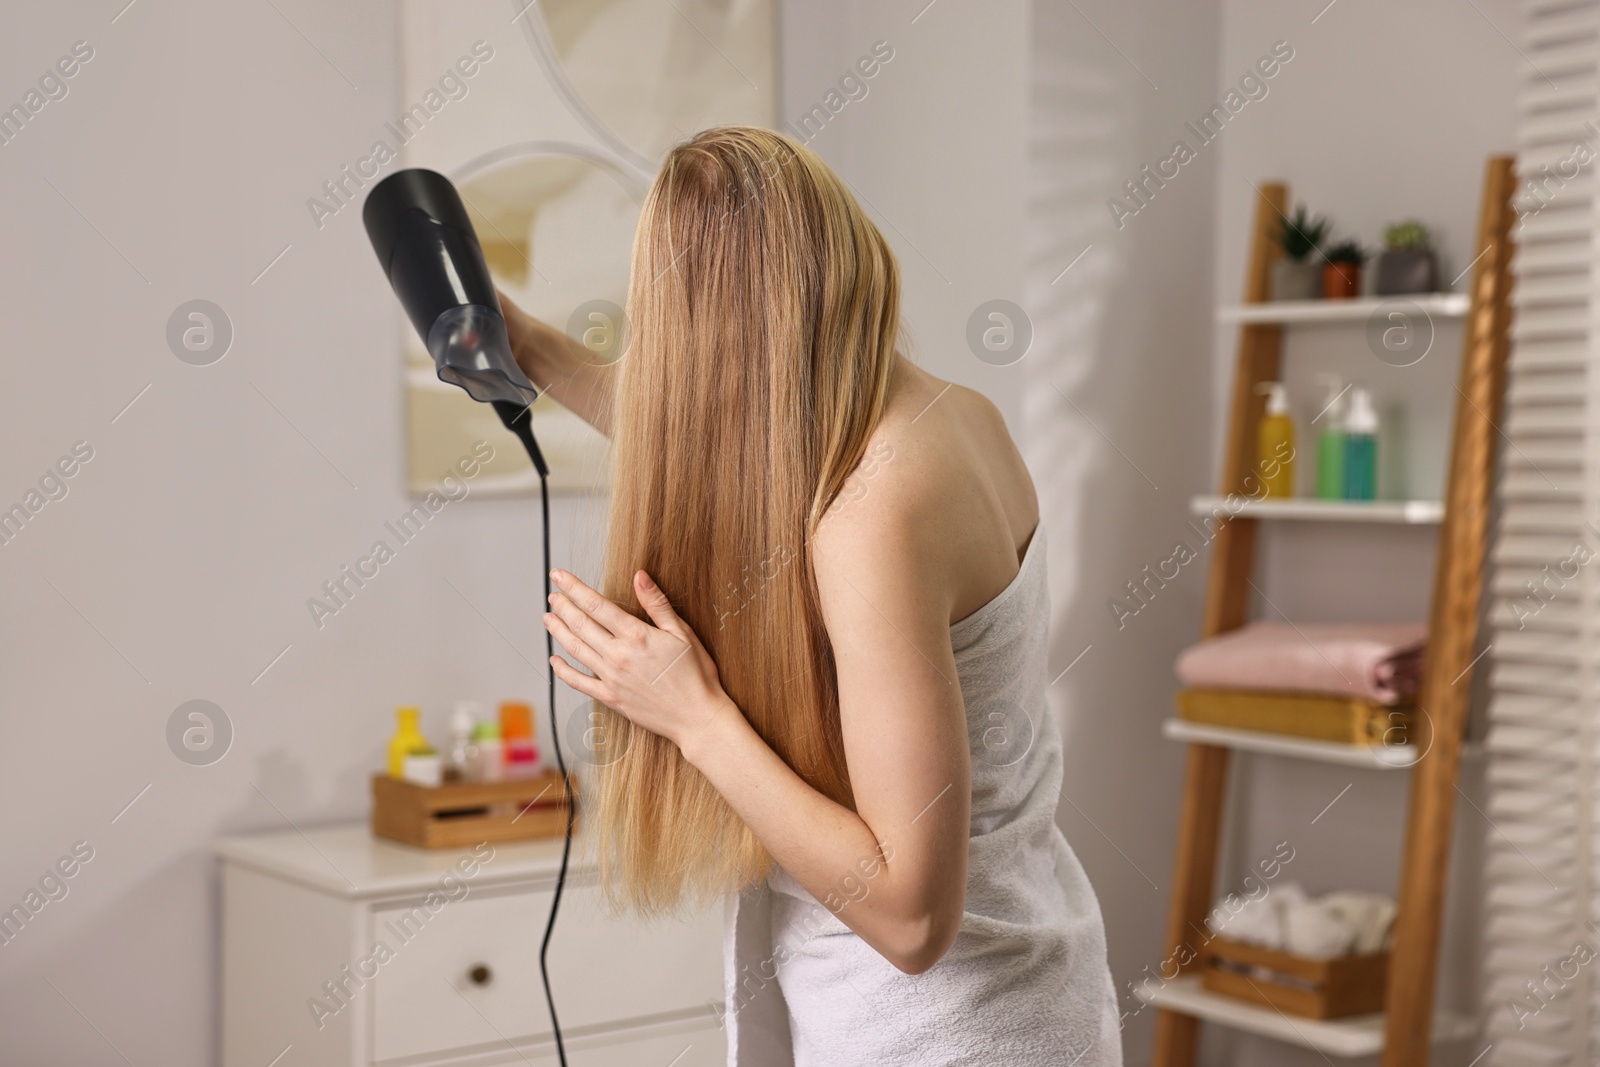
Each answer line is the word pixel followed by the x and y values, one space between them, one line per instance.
pixel 459 814
pixel 1309 715
pixel 1312 989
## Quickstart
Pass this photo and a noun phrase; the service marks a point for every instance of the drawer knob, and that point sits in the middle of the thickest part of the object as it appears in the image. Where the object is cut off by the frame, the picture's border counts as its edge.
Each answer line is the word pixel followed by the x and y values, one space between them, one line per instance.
pixel 480 974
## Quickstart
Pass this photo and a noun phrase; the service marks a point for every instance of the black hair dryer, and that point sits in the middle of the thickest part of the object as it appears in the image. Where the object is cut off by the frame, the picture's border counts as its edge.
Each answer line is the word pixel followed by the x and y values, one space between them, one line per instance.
pixel 430 253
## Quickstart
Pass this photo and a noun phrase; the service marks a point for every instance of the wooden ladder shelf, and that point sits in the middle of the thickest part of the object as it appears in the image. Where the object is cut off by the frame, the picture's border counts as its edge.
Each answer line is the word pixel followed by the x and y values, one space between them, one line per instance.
pixel 1408 1023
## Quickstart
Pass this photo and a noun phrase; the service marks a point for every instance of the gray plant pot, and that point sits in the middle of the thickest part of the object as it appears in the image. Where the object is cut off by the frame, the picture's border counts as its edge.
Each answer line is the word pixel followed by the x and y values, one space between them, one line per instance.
pixel 1412 270
pixel 1296 279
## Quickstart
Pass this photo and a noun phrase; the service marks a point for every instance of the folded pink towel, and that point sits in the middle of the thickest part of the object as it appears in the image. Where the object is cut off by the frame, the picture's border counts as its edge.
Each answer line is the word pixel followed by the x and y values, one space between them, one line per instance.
pixel 1380 662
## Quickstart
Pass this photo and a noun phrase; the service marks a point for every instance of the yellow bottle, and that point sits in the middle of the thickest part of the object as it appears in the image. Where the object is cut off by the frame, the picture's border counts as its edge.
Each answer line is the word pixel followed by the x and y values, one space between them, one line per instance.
pixel 407 739
pixel 1275 444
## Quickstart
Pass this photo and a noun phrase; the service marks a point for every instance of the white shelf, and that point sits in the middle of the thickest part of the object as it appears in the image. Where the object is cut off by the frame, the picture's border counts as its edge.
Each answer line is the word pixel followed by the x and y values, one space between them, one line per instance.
pixel 1434 305
pixel 1356 1035
pixel 1310 509
pixel 1374 757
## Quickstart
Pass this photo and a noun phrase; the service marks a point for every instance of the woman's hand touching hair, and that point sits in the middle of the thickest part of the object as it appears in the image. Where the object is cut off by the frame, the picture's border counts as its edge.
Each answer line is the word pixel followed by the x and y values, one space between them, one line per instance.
pixel 656 673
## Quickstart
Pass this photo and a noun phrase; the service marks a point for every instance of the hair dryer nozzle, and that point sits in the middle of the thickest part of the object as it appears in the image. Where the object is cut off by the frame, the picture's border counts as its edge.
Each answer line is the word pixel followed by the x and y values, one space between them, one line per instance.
pixel 469 348
pixel 428 249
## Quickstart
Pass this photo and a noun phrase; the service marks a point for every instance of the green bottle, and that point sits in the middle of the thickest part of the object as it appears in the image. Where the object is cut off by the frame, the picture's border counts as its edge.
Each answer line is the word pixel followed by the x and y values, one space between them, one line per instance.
pixel 1361 448
pixel 1330 441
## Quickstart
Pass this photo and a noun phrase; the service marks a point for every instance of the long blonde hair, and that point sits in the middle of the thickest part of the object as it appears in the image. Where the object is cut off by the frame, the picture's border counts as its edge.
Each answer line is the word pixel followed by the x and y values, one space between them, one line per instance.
pixel 763 311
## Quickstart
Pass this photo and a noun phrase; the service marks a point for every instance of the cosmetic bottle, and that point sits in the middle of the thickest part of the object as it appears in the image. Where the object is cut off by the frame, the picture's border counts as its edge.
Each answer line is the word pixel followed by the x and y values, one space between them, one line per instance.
pixel 423 767
pixel 461 765
pixel 406 740
pixel 1361 448
pixel 1330 439
pixel 491 752
pixel 516 731
pixel 1275 444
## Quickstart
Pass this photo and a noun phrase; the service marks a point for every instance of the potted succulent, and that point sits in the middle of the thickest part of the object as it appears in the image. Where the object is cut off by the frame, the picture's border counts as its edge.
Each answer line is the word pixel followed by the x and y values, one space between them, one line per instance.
pixel 1407 264
pixel 1341 274
pixel 1294 277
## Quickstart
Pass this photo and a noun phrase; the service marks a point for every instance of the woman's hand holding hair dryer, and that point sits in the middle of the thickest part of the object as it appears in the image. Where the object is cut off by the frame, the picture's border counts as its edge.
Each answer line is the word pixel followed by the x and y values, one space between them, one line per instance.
pixel 560 366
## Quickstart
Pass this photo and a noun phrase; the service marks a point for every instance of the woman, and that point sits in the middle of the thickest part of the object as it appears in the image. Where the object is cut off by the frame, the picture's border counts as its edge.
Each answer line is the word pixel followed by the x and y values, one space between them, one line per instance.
pixel 821 641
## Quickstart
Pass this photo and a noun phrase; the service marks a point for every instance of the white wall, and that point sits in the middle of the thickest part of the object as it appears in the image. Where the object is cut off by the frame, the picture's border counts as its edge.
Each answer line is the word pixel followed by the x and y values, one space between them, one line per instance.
pixel 182 557
pixel 1117 429
pixel 935 151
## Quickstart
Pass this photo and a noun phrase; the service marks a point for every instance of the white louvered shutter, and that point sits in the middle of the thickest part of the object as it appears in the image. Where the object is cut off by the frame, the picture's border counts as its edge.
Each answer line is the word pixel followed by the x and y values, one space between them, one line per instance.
pixel 1543 705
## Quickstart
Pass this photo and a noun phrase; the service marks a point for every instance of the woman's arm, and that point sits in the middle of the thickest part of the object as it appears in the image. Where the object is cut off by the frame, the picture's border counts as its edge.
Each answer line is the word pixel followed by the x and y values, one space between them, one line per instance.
pixel 895 869
pixel 560 366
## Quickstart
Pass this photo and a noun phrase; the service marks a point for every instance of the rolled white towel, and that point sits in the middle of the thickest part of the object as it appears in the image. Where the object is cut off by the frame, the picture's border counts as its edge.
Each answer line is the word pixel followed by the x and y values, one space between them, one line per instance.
pixel 1370 915
pixel 1347 922
pixel 1256 922
pixel 1315 930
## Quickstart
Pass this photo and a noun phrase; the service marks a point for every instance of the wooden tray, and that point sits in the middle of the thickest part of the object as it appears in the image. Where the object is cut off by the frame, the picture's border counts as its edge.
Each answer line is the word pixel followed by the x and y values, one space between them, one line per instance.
pixel 1312 989
pixel 1309 715
pixel 461 814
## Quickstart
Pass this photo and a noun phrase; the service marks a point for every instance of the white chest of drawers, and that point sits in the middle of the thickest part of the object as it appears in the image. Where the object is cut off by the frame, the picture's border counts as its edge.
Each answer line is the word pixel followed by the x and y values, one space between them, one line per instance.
pixel 343 950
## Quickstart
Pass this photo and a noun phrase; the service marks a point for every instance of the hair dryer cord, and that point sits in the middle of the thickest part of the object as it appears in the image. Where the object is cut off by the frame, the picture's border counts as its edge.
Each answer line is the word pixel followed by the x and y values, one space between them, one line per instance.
pixel 518 419
pixel 561 764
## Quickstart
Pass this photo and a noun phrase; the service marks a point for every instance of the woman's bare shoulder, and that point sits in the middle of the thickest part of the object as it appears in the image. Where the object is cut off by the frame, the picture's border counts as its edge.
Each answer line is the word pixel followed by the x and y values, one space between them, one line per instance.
pixel 940 490
pixel 901 475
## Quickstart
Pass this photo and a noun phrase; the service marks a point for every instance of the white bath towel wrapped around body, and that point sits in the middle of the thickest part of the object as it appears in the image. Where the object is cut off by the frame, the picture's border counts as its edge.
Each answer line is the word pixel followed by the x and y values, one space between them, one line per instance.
pixel 1026 981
